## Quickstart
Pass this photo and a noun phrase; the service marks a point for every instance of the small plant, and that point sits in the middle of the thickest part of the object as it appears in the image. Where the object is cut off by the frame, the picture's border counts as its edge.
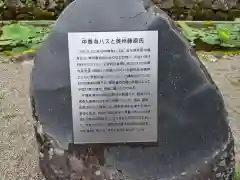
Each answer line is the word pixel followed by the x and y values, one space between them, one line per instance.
pixel 17 38
pixel 224 35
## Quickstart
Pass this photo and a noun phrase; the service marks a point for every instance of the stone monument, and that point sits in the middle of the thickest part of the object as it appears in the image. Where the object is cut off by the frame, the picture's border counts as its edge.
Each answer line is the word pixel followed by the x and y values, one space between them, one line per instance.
pixel 118 93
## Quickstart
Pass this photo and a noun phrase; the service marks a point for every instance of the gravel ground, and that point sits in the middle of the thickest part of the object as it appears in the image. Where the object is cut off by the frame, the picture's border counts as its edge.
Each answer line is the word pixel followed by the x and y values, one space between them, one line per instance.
pixel 18 147
pixel 226 74
pixel 18 155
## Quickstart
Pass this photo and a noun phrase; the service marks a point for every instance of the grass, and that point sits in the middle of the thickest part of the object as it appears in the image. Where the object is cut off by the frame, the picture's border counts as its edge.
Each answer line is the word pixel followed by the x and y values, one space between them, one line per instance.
pixel 237 173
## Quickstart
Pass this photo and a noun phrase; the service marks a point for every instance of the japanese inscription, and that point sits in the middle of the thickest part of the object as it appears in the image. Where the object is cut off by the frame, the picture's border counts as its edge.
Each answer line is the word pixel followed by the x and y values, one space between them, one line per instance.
pixel 114 80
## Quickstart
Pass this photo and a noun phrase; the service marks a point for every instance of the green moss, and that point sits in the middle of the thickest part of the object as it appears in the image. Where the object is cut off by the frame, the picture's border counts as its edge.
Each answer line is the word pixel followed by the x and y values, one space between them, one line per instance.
pixel 209 14
pixel 221 15
pixel 234 13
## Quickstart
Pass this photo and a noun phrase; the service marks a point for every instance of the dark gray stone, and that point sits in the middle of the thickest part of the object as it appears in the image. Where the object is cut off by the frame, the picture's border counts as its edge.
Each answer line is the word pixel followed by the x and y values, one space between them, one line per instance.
pixel 193 126
pixel 165 4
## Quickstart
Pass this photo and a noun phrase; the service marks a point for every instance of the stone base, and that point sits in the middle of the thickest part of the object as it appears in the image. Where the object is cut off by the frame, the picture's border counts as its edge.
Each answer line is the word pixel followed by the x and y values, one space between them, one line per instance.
pixel 79 163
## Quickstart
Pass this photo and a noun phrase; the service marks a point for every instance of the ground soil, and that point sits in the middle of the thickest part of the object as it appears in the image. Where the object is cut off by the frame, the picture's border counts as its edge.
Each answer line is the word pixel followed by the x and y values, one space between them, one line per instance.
pixel 18 155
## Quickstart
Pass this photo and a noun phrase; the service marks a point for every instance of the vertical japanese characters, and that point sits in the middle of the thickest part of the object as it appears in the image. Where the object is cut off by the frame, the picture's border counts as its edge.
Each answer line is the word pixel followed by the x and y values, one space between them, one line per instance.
pixel 113 85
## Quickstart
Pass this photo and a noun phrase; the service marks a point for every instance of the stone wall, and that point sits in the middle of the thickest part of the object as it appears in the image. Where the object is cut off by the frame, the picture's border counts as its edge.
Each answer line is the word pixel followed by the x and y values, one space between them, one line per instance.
pixel 201 9
pixel 177 9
